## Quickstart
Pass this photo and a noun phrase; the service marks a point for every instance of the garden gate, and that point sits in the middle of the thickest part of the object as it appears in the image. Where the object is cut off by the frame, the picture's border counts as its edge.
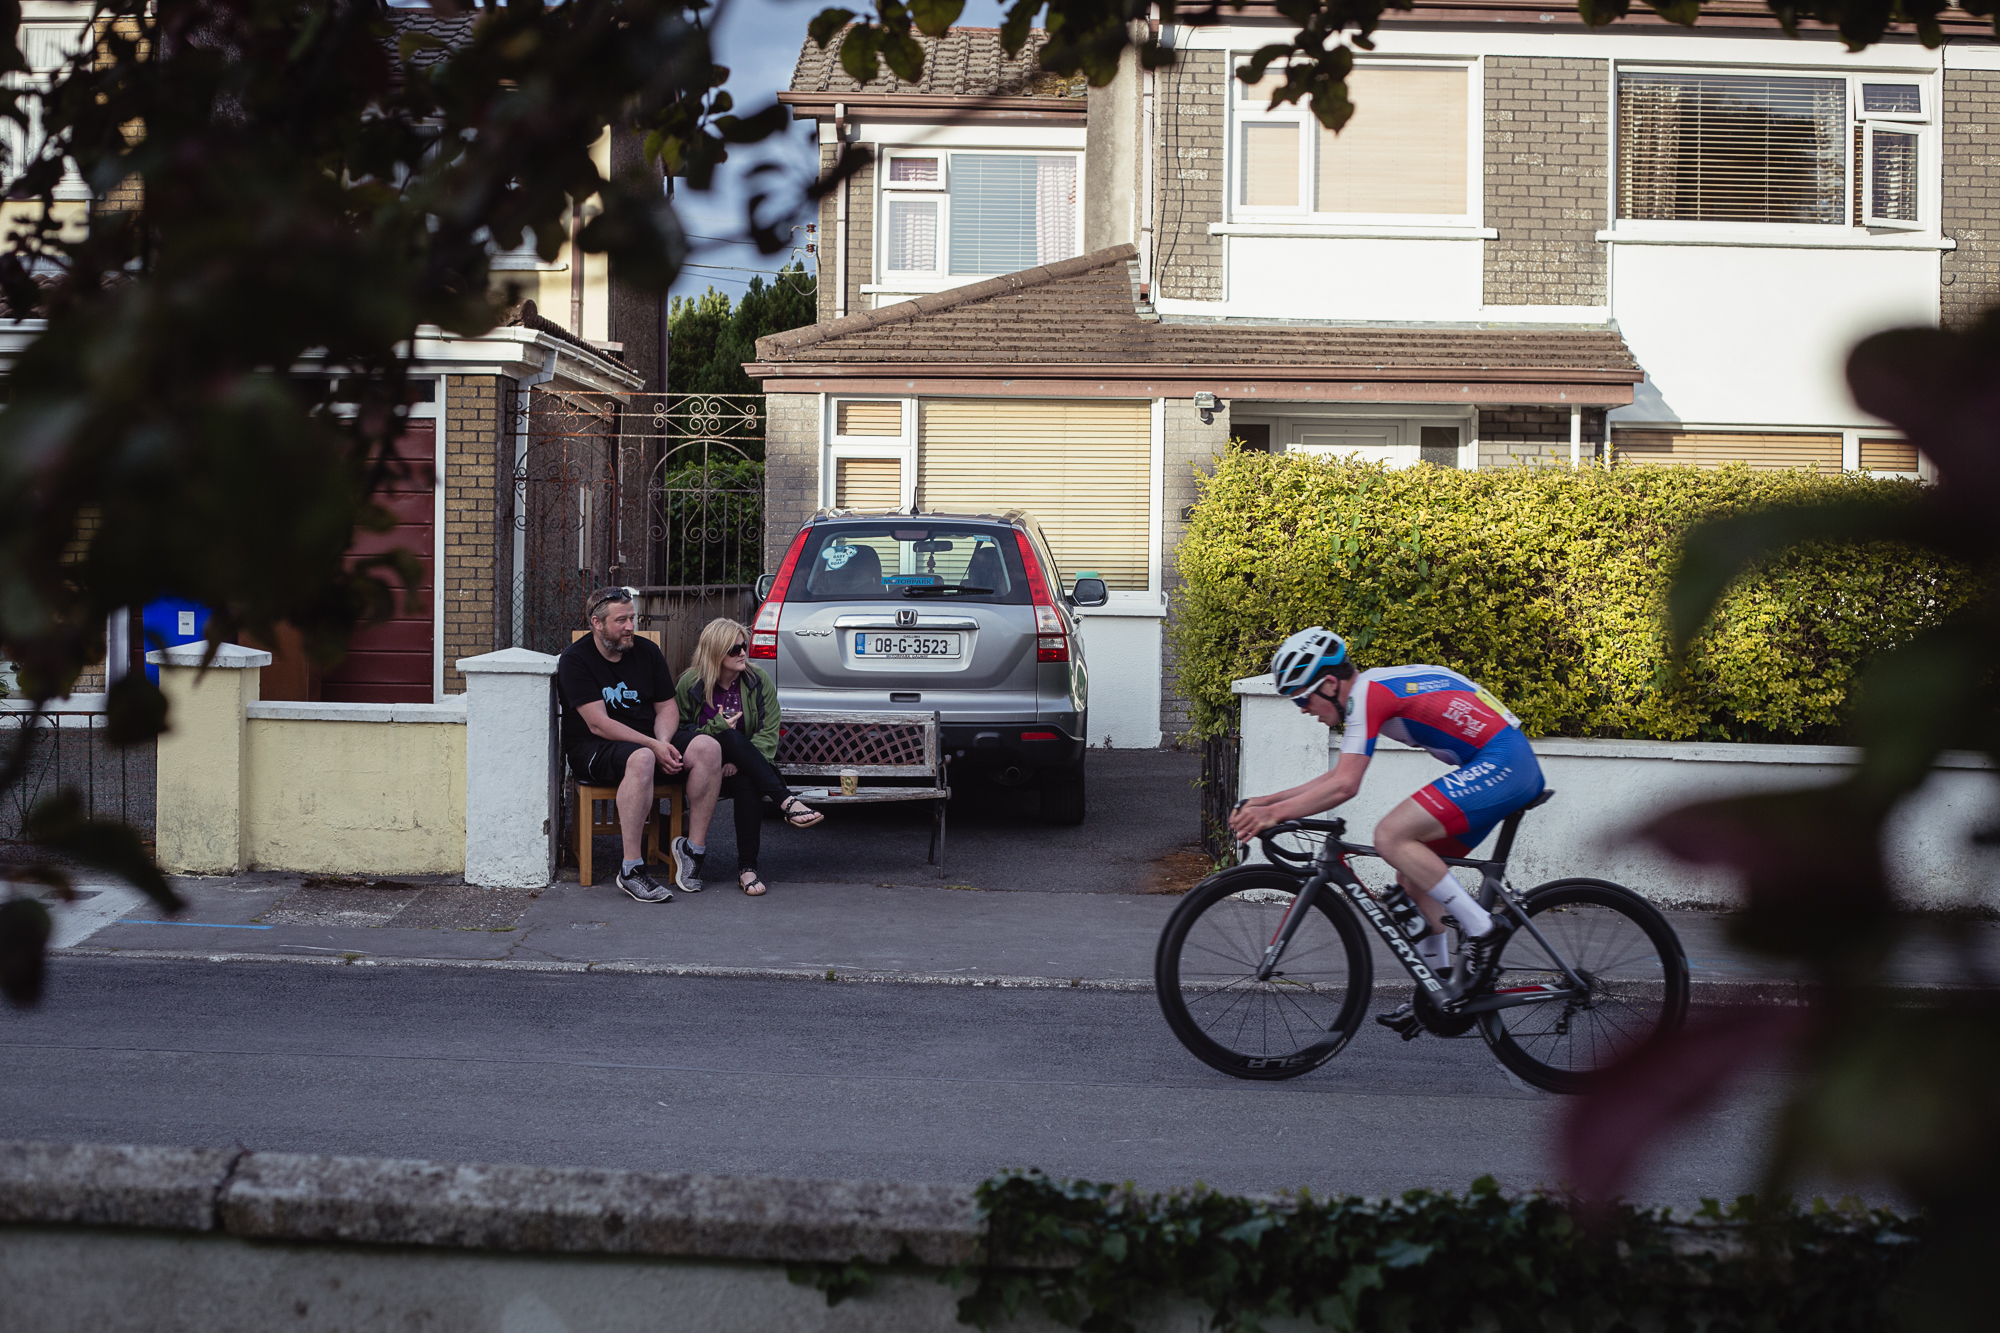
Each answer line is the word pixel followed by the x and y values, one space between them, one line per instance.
pixel 660 492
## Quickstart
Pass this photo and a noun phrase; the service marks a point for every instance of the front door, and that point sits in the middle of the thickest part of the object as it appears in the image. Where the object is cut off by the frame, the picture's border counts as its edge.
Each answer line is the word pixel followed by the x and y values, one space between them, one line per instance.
pixel 390 662
pixel 1365 441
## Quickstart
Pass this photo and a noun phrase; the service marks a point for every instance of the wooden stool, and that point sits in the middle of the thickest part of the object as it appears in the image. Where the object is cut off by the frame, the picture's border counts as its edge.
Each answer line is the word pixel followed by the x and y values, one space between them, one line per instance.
pixel 589 795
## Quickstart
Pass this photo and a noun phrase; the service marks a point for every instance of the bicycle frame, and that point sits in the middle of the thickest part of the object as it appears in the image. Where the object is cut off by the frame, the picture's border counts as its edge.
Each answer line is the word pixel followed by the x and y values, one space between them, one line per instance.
pixel 1330 866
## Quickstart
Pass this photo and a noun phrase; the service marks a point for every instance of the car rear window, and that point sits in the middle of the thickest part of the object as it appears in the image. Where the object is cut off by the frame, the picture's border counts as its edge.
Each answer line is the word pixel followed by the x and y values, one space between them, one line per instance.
pixel 913 560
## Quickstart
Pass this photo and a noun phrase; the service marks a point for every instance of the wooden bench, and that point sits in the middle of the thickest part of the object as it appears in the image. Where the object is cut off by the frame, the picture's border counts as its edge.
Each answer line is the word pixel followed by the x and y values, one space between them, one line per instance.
pixel 595 805
pixel 901 746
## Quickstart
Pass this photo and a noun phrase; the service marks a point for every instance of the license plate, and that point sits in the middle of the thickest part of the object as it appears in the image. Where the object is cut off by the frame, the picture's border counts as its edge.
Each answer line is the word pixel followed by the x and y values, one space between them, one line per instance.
pixel 880 645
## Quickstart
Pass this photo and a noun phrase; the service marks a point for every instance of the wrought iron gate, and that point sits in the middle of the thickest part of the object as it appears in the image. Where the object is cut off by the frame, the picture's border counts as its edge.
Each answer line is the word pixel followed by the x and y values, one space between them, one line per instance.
pixel 663 493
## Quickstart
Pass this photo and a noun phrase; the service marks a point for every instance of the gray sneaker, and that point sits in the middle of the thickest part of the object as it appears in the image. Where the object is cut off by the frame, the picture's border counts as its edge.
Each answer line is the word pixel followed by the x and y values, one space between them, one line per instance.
pixel 639 882
pixel 686 866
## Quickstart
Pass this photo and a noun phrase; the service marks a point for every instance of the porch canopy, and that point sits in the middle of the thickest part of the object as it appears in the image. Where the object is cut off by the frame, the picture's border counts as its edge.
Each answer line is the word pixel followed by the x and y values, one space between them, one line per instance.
pixel 1078 329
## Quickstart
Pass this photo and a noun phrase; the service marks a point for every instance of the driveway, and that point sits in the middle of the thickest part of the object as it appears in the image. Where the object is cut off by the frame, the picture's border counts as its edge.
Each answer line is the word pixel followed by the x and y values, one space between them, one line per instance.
pixel 1141 836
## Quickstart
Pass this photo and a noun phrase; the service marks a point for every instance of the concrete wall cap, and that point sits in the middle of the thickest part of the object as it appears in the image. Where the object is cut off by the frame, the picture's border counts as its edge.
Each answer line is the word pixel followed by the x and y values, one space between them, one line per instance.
pixel 89 1184
pixel 283 1196
pixel 509 661
pixel 450 713
pixel 228 656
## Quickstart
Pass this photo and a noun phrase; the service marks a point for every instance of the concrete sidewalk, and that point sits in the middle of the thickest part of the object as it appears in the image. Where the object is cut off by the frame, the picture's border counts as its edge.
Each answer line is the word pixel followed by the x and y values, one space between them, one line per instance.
pixel 825 931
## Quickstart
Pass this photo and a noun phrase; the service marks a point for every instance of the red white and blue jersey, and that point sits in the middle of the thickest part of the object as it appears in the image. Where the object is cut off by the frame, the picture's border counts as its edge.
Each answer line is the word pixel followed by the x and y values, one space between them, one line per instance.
pixel 1431 707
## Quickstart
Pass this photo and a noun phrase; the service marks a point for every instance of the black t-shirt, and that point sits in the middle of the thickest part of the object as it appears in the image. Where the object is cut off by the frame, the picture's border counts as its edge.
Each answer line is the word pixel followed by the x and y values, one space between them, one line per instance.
pixel 628 688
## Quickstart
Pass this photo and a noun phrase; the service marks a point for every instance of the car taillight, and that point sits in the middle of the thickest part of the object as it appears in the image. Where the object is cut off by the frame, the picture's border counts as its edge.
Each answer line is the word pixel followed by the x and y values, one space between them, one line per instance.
pixel 1051 639
pixel 764 632
pixel 1038 735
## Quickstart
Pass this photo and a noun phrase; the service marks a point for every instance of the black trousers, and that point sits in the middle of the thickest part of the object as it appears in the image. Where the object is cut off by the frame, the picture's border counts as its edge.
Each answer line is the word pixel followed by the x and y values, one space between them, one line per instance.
pixel 755 779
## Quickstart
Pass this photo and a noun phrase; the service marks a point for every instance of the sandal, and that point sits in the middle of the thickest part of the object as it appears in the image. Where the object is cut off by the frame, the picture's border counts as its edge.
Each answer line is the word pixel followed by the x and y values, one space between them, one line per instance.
pixel 798 814
pixel 753 887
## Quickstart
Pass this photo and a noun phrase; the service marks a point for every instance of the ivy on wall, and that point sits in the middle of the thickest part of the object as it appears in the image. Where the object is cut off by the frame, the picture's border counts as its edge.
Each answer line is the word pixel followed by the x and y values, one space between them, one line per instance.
pixel 1546 585
pixel 1107 1259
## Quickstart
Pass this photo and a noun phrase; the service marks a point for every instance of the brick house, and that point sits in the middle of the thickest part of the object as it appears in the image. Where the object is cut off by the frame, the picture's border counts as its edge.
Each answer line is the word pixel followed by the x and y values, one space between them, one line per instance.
pixel 1535 242
pixel 467 423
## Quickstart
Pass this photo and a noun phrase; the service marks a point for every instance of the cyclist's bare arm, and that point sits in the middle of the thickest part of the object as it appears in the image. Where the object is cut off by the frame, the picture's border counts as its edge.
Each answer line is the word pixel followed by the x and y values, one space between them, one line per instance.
pixel 1308 798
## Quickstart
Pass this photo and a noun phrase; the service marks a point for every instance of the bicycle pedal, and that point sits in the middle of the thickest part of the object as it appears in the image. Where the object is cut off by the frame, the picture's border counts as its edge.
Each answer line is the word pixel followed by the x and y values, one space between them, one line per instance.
pixel 1403 1022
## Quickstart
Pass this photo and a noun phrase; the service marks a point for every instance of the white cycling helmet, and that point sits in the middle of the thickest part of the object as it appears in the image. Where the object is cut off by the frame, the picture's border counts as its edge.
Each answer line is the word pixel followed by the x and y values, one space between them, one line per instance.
pixel 1307 658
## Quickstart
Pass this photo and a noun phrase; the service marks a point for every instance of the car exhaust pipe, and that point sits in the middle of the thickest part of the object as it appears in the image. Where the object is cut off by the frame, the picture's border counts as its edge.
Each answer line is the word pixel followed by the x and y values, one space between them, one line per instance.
pixel 1011 776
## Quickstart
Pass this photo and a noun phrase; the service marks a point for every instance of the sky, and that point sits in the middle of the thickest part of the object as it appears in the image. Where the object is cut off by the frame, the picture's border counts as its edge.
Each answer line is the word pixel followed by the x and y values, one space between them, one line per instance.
pixel 759 40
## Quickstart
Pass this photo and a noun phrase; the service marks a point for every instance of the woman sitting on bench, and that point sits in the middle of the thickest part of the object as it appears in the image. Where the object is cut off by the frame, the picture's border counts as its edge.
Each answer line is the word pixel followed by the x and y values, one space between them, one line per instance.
pixel 722 695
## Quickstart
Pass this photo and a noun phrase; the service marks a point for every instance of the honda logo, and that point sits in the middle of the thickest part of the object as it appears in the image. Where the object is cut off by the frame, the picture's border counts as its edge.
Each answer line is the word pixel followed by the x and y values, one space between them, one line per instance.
pixel 906 616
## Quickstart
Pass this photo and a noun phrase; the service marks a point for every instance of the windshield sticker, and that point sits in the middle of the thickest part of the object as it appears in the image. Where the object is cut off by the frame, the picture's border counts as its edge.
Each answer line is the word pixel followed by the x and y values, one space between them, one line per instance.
pixel 837 556
pixel 913 580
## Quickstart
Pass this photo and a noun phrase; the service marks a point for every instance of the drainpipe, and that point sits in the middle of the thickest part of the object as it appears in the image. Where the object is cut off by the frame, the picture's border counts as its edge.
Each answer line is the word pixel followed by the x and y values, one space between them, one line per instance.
pixel 1576 435
pixel 575 270
pixel 1146 89
pixel 525 401
pixel 840 215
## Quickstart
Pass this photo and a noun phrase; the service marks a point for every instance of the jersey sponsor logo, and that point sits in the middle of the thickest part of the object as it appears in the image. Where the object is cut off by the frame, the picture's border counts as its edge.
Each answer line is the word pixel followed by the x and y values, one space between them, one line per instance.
pixel 1429 684
pixel 1470 775
pixel 619 695
pixel 1463 714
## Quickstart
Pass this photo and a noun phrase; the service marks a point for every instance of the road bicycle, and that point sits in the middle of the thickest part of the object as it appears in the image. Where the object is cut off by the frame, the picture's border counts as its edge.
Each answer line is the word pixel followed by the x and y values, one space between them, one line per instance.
pixel 1265 971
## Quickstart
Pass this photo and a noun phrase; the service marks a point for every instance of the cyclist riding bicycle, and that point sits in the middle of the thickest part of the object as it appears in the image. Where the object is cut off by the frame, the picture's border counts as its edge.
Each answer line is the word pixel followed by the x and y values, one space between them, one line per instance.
pixel 1434 708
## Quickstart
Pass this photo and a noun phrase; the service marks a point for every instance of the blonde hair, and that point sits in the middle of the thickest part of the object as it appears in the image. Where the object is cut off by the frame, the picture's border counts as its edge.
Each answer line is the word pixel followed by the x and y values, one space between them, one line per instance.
pixel 718 636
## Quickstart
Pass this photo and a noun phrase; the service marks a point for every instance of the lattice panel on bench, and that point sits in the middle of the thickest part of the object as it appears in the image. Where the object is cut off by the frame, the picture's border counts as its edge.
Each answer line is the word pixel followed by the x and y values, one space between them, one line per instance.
pixel 851 745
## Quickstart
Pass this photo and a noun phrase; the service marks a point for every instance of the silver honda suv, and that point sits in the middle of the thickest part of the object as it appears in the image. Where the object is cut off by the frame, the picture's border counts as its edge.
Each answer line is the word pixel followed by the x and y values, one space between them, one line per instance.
pixel 964 615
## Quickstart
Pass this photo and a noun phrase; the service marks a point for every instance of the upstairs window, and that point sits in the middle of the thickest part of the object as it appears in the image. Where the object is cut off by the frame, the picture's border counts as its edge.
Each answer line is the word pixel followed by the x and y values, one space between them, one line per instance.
pixel 1403 157
pixel 973 214
pixel 1752 148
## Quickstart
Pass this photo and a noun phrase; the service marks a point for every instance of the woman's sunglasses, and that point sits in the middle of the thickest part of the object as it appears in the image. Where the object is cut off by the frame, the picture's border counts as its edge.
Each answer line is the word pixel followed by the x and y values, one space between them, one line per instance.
pixel 738 650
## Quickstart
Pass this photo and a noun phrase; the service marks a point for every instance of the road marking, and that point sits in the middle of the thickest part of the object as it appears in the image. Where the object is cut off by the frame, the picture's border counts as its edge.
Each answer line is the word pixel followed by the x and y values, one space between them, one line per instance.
pixel 77 921
pixel 209 925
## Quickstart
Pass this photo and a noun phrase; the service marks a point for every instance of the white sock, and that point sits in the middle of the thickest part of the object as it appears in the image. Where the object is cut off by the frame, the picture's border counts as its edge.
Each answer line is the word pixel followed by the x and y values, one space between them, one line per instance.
pixel 1451 895
pixel 1435 950
pixel 630 866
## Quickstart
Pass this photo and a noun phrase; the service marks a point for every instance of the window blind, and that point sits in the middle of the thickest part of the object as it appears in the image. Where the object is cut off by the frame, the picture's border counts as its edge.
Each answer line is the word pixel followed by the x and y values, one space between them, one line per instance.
pixel 1880 455
pixel 1083 469
pixel 1731 148
pixel 868 483
pixel 868 419
pixel 1892 175
pixel 1404 151
pixel 1010 212
pixel 913 232
pixel 1271 166
pixel 1712 449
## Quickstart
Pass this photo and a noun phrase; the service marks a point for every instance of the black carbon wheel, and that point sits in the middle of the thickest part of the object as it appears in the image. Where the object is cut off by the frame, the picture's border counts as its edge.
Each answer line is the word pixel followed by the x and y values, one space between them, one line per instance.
pixel 1628 956
pixel 1205 974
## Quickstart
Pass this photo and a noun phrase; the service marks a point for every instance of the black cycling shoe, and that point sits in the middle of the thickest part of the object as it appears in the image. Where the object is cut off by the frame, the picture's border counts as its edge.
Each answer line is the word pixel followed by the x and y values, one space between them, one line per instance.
pixel 1403 1021
pixel 1482 958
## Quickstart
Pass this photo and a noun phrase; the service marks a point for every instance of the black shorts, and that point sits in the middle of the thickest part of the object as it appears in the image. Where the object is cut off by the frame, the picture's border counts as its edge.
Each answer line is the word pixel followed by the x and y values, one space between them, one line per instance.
pixel 603 763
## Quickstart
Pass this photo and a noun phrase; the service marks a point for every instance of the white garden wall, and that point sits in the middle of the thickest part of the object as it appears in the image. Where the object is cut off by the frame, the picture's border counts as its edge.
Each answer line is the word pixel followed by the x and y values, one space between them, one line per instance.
pixel 1605 789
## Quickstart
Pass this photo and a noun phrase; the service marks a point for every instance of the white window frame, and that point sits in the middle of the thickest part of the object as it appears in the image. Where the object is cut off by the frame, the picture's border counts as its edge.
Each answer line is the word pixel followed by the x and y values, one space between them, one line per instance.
pixel 941 277
pixel 1248 108
pixel 1921 123
pixel 902 448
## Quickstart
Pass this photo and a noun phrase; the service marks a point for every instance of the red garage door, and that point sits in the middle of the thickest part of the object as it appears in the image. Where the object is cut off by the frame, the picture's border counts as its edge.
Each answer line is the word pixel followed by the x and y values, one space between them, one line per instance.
pixel 391 662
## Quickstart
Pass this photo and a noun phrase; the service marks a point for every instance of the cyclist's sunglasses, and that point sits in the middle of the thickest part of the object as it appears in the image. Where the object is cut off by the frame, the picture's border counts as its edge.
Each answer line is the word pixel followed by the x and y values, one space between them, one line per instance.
pixel 1304 701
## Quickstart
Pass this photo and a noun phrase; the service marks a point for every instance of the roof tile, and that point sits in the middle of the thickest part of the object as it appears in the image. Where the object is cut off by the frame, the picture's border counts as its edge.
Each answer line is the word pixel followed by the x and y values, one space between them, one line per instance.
pixel 965 62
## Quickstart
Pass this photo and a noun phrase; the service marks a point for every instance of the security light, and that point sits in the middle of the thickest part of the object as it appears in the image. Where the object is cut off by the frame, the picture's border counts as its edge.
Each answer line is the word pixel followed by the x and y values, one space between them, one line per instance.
pixel 1205 404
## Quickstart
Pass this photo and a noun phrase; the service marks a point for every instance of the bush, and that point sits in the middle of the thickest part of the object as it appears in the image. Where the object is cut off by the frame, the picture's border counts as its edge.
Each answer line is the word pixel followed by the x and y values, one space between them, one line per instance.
pixel 1433 1261
pixel 1546 585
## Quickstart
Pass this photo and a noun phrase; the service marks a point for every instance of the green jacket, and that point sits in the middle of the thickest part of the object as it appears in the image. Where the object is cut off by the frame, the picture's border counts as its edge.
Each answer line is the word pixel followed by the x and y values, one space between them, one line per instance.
pixel 760 708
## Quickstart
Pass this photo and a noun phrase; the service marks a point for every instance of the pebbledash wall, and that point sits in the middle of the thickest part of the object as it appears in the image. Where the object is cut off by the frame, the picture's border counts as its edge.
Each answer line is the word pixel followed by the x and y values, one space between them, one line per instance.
pixel 1606 789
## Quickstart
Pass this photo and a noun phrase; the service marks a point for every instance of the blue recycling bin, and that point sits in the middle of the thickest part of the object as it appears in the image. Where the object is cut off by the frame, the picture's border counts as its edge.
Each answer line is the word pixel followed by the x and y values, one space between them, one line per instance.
pixel 172 620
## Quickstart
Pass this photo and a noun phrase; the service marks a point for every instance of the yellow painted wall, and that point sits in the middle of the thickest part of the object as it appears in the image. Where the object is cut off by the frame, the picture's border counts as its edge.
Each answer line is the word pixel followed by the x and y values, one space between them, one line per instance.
pixel 357 798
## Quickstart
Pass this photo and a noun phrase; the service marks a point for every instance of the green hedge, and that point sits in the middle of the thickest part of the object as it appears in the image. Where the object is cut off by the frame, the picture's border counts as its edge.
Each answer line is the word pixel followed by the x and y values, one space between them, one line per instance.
pixel 1104 1257
pixel 1546 586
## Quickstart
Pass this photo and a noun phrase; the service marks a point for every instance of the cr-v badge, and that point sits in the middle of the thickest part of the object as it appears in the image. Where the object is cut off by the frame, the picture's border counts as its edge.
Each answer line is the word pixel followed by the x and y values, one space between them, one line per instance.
pixel 812 633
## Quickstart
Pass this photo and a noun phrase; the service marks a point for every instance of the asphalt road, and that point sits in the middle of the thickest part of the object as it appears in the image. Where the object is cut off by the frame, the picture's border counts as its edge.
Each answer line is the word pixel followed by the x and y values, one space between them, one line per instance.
pixel 787 1078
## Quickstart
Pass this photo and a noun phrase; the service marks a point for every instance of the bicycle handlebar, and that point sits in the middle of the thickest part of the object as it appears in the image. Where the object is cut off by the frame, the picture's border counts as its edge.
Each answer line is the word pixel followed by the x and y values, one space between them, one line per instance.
pixel 1335 828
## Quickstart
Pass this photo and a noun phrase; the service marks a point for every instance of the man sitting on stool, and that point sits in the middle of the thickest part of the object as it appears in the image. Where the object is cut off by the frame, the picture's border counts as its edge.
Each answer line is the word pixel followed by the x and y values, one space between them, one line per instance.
pixel 619 718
